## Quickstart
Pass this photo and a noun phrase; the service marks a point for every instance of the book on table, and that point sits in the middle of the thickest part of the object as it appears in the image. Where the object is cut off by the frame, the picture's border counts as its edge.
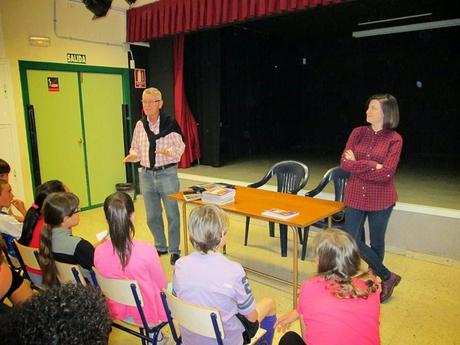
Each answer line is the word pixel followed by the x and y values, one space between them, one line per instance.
pixel 191 195
pixel 200 188
pixel 219 196
pixel 279 213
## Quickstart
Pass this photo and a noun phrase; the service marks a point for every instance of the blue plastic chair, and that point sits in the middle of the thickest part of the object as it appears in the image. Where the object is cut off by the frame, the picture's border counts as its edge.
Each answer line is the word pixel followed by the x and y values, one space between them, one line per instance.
pixel 291 177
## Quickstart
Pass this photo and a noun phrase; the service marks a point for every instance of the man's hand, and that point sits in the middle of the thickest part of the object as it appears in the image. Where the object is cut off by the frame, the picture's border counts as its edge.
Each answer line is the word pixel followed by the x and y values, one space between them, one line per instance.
pixel 167 151
pixel 130 158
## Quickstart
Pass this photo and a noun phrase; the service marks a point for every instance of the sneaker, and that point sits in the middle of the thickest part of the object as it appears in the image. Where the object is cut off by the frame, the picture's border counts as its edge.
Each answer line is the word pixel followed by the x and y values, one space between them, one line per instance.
pixel 388 286
pixel 163 339
pixel 174 258
pixel 162 252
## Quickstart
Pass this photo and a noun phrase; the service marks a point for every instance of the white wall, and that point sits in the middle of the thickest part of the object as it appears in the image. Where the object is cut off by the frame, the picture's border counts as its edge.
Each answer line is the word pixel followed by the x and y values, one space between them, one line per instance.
pixel 72 33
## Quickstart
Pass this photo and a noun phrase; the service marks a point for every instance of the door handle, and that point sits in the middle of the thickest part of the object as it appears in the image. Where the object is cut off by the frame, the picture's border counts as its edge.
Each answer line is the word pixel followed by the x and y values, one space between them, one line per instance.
pixel 80 141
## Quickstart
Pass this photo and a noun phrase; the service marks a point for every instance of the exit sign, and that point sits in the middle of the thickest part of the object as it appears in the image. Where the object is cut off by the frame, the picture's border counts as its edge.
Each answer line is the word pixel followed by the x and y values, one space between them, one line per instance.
pixel 76 58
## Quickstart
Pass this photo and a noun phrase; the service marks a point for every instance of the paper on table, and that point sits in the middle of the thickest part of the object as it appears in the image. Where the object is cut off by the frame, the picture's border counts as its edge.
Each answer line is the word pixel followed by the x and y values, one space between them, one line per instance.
pixel 101 235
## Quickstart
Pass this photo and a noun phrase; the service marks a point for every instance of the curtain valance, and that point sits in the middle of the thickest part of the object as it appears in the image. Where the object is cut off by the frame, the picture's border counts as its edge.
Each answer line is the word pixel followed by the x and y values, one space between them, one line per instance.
pixel 170 17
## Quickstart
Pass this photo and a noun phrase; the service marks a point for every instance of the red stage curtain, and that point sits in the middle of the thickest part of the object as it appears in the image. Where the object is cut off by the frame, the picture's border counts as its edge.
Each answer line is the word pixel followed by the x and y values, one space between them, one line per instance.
pixel 184 116
pixel 171 17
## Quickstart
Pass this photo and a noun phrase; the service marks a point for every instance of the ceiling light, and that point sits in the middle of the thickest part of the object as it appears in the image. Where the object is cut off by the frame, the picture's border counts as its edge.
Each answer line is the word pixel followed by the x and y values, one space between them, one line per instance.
pixel 396 18
pixel 407 28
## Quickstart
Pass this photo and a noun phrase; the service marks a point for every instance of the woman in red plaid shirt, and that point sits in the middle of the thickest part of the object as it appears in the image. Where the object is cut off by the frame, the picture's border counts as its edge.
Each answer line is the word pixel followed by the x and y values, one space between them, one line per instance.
pixel 372 156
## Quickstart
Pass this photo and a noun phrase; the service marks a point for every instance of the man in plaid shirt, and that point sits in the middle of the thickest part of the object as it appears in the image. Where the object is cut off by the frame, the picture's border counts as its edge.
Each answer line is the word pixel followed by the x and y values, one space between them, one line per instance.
pixel 157 144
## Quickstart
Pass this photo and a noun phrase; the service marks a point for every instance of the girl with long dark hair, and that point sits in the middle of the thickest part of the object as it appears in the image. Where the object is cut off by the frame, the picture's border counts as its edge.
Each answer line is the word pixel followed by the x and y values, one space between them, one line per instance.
pixel 61 214
pixel 33 221
pixel 121 256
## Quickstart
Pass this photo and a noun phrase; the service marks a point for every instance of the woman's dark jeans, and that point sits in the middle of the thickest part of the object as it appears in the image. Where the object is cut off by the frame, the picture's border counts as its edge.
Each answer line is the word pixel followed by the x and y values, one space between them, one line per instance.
pixel 378 221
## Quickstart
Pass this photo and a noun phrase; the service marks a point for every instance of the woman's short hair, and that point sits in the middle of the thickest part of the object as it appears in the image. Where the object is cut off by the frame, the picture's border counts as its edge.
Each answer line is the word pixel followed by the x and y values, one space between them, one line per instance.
pixel 390 109
pixel 206 226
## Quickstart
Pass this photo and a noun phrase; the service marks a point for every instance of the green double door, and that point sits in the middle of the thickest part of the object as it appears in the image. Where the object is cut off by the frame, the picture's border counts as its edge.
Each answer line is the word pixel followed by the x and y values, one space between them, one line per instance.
pixel 79 130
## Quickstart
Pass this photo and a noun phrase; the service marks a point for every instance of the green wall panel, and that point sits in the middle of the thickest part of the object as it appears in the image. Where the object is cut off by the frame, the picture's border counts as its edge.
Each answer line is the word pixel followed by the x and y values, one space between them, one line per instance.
pixel 102 98
pixel 59 130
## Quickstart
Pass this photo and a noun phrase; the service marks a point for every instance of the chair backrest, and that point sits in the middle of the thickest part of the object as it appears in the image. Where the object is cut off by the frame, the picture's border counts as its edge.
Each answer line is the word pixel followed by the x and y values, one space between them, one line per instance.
pixel 10 252
pixel 339 177
pixel 193 317
pixel 28 255
pixel 291 176
pixel 119 290
pixel 68 273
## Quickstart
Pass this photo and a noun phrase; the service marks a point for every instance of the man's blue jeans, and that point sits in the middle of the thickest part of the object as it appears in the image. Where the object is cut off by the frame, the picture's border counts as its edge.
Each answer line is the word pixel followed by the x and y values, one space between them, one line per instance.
pixel 378 221
pixel 155 187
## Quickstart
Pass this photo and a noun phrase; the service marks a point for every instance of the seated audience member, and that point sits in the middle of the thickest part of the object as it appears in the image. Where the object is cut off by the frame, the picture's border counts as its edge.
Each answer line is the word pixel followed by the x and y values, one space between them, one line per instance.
pixel 34 221
pixel 208 278
pixel 4 170
pixel 66 315
pixel 9 225
pixel 12 286
pixel 341 304
pixel 61 214
pixel 18 204
pixel 120 256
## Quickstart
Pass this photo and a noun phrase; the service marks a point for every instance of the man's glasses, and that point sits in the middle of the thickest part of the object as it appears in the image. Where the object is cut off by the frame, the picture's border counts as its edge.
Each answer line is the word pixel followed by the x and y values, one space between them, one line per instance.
pixel 150 102
pixel 77 210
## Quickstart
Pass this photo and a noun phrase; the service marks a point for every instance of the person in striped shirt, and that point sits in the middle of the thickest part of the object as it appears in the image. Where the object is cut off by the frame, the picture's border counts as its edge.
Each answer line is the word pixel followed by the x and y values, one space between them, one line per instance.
pixel 158 145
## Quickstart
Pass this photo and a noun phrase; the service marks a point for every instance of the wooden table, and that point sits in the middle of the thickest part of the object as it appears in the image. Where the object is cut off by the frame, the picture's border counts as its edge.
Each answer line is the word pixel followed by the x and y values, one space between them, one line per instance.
pixel 251 202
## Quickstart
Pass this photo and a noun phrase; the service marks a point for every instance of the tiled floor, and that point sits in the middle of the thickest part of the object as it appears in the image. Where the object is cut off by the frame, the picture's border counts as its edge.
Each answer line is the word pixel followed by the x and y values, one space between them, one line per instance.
pixel 425 308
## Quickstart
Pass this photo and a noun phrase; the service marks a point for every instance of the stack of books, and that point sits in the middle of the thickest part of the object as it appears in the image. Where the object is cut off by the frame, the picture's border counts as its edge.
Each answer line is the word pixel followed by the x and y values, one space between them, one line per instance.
pixel 219 196
pixel 200 188
pixel 279 213
pixel 191 195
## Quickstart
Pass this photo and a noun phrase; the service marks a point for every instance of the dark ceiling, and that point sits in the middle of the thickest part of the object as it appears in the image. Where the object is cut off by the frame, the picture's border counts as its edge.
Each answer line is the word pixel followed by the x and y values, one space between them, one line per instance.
pixel 343 18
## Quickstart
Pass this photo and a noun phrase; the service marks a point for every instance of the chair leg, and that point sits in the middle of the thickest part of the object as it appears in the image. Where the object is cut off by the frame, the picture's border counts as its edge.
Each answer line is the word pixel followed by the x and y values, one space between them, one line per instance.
pixel 304 242
pixel 246 231
pixel 283 239
pixel 271 229
pixel 143 332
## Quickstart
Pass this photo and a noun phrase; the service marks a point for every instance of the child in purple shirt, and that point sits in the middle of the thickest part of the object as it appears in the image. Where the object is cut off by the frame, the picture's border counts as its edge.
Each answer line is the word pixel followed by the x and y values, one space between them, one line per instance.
pixel 208 278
